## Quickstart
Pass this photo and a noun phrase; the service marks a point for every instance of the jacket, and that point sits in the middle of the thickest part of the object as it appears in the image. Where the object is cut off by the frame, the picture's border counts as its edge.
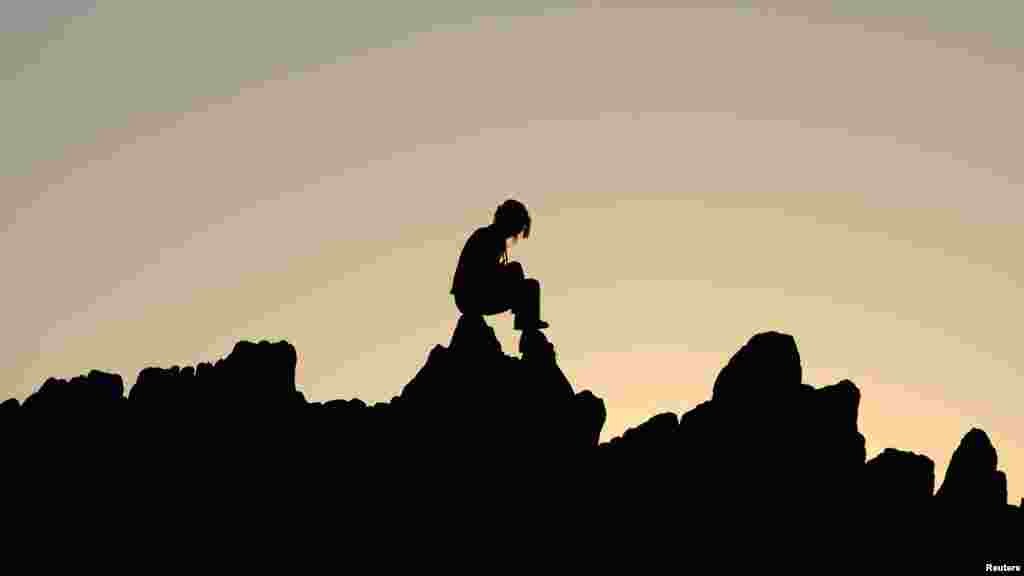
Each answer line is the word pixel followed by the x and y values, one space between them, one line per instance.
pixel 480 263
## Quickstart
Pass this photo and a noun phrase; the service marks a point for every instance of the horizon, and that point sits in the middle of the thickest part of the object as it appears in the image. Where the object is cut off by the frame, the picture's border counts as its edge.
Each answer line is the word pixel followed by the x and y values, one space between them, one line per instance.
pixel 846 175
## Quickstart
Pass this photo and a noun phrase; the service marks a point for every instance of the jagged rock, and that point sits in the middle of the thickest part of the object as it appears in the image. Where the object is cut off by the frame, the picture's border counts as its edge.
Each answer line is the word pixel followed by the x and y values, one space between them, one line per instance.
pixel 972 480
pixel 472 397
pixel 841 402
pixel 534 345
pixel 899 478
pixel 254 375
pixel 767 366
pixel 762 418
pixel 831 429
pixel 423 386
pixel 972 503
pixel 657 434
pixel 645 455
pixel 1001 493
pixel 589 415
pixel 474 337
pixel 260 372
pixel 505 437
pixel 9 412
pixel 97 389
pixel 155 386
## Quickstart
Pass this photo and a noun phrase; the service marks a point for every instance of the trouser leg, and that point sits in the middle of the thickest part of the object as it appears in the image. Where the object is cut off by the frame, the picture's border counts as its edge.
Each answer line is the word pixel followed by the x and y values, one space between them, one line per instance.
pixel 527 305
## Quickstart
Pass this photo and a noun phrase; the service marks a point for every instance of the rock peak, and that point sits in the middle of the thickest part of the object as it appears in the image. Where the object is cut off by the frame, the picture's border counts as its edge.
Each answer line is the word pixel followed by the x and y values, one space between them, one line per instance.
pixel 972 479
pixel 766 366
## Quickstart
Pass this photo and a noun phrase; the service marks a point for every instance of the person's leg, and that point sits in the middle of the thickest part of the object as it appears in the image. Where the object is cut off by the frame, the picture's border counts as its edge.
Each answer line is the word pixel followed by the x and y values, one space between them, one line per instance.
pixel 514 287
pixel 515 270
pixel 488 299
pixel 512 291
pixel 527 305
pixel 484 303
pixel 504 293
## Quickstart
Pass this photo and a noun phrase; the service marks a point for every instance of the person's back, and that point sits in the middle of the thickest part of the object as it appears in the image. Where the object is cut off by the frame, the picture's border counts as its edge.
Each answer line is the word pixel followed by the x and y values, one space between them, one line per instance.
pixel 479 262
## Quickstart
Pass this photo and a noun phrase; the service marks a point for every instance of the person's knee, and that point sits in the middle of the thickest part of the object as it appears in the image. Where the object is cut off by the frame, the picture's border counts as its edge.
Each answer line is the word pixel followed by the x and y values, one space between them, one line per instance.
pixel 516 269
pixel 532 283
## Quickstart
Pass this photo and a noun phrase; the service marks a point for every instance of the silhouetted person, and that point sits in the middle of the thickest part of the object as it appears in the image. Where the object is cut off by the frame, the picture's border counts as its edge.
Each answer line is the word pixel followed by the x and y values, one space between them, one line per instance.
pixel 486 283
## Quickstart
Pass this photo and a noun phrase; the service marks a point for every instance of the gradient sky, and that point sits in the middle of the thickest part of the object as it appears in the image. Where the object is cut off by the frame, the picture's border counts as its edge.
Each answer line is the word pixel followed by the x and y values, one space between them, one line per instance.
pixel 179 176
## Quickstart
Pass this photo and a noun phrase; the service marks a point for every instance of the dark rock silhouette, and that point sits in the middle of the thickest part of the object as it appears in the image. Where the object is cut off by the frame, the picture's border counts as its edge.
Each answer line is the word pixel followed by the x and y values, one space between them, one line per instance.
pixel 898 479
pixel 485 439
pixel 767 367
pixel 972 480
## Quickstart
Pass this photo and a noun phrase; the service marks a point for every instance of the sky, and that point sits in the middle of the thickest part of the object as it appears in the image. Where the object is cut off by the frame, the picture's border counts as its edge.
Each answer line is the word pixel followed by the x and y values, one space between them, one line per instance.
pixel 177 177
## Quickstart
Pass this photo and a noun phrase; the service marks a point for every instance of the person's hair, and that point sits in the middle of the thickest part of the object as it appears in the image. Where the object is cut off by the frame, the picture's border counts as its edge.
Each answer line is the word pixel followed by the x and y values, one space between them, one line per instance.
pixel 511 217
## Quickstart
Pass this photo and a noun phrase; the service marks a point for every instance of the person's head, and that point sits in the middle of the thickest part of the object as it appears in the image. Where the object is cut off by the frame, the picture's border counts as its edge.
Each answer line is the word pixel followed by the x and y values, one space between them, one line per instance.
pixel 512 220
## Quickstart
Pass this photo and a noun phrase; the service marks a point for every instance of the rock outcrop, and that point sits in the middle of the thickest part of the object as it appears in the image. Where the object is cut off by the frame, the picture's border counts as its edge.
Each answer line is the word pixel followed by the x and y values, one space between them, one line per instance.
pixel 896 478
pixel 491 439
pixel 972 481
